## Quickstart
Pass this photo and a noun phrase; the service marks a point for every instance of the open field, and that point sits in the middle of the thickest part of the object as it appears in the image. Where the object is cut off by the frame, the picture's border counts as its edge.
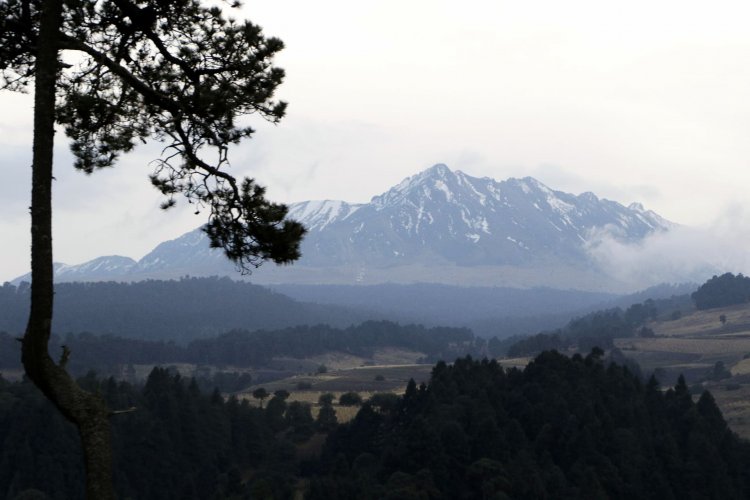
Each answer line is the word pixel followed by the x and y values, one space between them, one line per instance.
pixel 364 380
pixel 379 378
pixel 514 362
pixel 703 346
pixel 12 375
pixel 691 346
pixel 707 323
pixel 734 400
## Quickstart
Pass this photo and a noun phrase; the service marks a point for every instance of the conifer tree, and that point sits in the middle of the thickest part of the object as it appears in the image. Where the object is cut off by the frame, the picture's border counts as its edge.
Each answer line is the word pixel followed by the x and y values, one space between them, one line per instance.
pixel 113 73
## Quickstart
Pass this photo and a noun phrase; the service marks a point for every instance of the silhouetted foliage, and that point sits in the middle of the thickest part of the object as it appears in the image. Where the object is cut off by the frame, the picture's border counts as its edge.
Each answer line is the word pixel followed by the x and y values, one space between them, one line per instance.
pixel 260 394
pixel 721 291
pixel 350 399
pixel 537 343
pixel 179 72
pixel 719 372
pixel 597 329
pixel 179 310
pixel 242 348
pixel 177 443
pixel 562 428
pixel 112 355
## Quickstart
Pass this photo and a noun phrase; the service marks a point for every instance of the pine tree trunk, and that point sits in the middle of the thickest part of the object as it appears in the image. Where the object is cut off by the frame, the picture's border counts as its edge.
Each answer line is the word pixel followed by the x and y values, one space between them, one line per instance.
pixel 87 411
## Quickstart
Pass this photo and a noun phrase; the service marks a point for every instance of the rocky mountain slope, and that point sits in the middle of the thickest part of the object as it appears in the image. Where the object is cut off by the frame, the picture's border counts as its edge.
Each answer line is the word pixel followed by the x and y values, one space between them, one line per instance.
pixel 437 226
pixel 441 216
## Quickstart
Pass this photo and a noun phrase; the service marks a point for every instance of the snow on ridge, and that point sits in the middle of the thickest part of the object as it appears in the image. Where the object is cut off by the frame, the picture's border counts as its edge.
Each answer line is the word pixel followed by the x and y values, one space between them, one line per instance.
pixel 108 260
pixel 638 207
pixel 588 196
pixel 439 172
pixel 193 238
pixel 650 218
pixel 404 185
pixel 538 185
pixel 440 185
pixel 527 184
pixel 317 214
pixel 112 264
pixel 494 189
pixel 558 205
pixel 465 180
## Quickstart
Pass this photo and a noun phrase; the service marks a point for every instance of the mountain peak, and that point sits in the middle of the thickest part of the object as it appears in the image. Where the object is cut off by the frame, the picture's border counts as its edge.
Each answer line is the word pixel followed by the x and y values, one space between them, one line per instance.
pixel 529 184
pixel 435 172
pixel 433 219
pixel 434 177
pixel 439 169
pixel 316 215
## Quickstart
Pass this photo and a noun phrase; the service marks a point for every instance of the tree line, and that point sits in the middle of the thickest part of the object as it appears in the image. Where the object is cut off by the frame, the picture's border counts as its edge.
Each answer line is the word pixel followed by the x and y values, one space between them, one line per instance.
pixel 170 441
pixel 597 329
pixel 179 310
pixel 600 328
pixel 722 291
pixel 242 348
pixel 561 428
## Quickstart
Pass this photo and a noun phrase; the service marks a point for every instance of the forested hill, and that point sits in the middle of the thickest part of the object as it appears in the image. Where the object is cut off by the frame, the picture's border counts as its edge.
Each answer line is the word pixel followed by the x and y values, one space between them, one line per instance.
pixel 243 349
pixel 191 308
pixel 722 291
pixel 178 443
pixel 601 328
pixel 179 310
pixel 563 428
pixel 488 311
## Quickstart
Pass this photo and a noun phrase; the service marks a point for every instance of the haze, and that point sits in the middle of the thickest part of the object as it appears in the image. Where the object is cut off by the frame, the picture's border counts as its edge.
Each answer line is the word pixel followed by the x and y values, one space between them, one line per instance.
pixel 636 102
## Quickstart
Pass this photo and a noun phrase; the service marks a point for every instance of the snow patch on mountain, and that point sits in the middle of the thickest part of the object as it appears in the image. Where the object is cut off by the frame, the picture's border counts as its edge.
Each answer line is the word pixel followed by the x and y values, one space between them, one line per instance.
pixel 433 219
pixel 316 215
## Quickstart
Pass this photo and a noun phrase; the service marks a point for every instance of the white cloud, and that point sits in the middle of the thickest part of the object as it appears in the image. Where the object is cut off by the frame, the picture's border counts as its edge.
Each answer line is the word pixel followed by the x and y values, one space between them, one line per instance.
pixel 638 101
pixel 679 255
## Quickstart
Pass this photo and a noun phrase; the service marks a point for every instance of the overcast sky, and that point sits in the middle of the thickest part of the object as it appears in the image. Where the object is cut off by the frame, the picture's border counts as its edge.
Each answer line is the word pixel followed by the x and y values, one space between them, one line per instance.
pixel 635 101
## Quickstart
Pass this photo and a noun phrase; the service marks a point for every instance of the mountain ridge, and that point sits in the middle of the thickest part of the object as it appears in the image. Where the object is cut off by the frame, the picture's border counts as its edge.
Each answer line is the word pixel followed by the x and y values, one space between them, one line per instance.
pixel 438 225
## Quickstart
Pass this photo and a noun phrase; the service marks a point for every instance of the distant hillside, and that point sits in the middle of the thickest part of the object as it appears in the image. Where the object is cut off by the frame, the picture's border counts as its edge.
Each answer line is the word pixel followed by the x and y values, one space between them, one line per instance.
pixel 246 350
pixel 168 310
pixel 602 327
pixel 562 428
pixel 198 307
pixel 489 311
pixel 439 226
pixel 722 291
pixel 444 216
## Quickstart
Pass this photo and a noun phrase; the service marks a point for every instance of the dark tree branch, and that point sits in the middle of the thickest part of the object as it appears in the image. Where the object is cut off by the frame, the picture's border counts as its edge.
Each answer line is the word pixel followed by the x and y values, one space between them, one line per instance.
pixel 174 71
pixel 151 95
pixel 85 410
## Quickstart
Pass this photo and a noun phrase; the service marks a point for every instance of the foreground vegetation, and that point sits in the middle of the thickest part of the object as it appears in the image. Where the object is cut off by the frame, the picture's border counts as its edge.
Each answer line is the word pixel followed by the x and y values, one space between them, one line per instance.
pixel 328 412
pixel 243 350
pixel 561 428
pixel 176 443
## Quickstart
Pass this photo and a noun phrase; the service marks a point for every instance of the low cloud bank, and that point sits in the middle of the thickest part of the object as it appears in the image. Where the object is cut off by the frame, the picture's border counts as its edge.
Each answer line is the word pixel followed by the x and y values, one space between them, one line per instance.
pixel 682 254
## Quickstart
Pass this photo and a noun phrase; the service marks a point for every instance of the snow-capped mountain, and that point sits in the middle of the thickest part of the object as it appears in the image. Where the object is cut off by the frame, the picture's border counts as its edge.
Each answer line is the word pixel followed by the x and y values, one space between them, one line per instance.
pixel 107 267
pixel 443 216
pixel 187 255
pixel 439 225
